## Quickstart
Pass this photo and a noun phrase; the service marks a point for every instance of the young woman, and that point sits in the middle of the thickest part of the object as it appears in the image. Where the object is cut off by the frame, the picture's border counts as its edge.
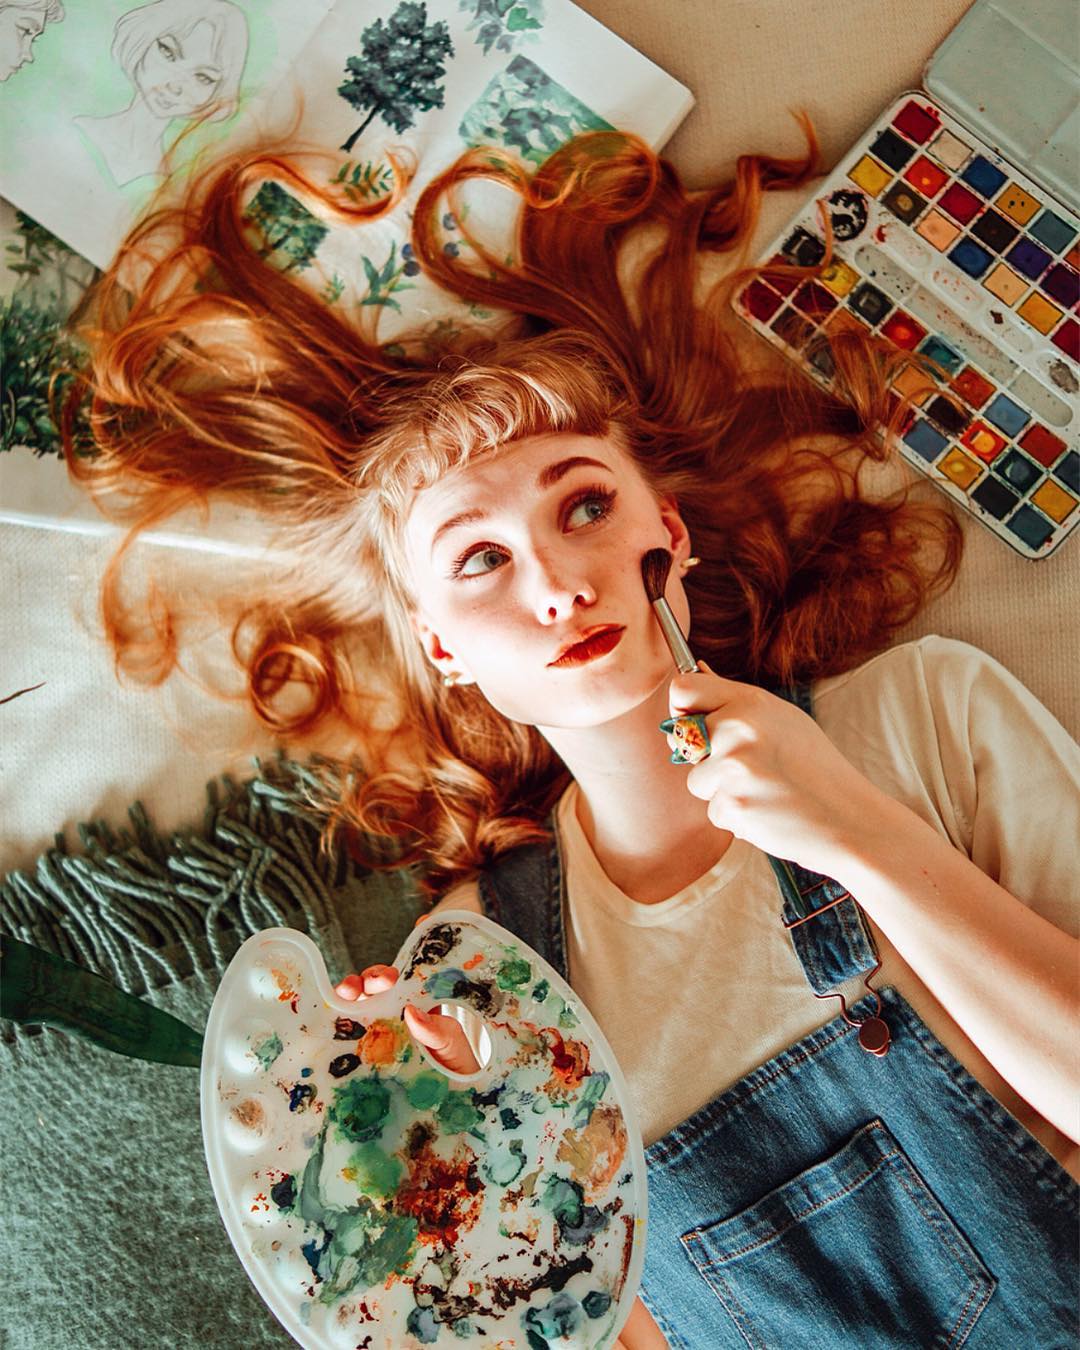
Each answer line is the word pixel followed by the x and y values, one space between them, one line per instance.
pixel 890 1169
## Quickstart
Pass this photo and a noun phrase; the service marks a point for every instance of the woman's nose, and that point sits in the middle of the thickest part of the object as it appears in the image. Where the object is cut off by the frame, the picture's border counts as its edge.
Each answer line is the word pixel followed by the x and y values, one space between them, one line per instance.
pixel 560 591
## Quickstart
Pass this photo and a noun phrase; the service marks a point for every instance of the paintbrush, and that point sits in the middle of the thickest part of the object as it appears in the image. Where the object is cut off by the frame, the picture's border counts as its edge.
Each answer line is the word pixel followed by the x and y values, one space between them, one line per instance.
pixel 655 566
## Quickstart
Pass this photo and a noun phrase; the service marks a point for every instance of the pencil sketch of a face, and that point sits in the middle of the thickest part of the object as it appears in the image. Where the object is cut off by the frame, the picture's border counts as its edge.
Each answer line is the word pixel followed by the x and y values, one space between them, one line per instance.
pixel 20 24
pixel 184 59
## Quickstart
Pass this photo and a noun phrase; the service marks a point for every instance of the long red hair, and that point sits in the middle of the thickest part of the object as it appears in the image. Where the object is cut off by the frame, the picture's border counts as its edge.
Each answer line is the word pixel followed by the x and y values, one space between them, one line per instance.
pixel 213 374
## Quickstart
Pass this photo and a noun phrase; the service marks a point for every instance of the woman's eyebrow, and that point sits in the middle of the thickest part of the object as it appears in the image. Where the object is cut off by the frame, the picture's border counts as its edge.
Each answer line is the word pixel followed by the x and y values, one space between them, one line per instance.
pixel 547 477
pixel 462 518
pixel 553 472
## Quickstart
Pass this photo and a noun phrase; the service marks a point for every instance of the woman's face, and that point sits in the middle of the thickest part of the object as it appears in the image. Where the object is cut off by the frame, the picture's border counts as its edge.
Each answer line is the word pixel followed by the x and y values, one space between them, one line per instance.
pixel 178 77
pixel 19 26
pixel 527 571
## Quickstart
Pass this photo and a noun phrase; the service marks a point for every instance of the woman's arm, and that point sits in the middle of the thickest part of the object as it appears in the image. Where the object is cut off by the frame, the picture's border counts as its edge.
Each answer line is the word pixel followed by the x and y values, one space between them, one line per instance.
pixel 1006 975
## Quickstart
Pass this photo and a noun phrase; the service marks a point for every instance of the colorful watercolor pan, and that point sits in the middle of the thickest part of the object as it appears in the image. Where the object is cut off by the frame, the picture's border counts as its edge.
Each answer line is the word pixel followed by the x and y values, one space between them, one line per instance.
pixel 376 1199
pixel 943 248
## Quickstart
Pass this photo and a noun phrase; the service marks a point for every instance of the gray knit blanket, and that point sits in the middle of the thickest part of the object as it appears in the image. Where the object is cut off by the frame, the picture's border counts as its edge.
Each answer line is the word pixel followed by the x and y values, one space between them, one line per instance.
pixel 109 1232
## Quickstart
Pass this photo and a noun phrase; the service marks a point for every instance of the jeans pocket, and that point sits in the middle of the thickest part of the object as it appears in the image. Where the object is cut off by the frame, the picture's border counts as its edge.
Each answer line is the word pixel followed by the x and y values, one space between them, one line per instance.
pixel 855 1251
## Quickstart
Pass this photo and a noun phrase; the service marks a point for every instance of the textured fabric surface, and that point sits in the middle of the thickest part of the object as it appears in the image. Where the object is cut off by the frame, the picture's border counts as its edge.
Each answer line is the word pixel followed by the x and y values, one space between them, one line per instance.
pixel 109 1233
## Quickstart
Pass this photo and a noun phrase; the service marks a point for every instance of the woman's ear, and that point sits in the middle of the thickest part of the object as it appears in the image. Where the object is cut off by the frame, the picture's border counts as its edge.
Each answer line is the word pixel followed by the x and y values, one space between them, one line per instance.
pixel 678 534
pixel 444 662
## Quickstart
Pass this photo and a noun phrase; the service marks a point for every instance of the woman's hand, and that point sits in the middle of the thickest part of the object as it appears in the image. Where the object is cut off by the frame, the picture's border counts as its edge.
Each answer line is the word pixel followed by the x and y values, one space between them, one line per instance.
pixel 443 1036
pixel 773 777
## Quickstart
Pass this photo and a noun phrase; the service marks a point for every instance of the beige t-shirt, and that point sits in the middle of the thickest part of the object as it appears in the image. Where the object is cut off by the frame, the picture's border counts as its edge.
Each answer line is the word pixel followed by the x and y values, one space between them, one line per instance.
pixel 695 991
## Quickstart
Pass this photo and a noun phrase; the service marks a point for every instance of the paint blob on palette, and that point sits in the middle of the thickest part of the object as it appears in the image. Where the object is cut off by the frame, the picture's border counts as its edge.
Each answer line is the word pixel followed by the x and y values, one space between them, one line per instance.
pixel 378 1199
pixel 942 247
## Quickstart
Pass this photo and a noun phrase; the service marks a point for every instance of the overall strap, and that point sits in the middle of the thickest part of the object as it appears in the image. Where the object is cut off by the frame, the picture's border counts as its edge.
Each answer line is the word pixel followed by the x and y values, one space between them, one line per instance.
pixel 825 924
pixel 523 890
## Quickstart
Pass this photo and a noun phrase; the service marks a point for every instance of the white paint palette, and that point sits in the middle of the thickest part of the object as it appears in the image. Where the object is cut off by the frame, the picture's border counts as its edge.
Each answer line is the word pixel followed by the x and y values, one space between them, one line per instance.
pixel 377 1200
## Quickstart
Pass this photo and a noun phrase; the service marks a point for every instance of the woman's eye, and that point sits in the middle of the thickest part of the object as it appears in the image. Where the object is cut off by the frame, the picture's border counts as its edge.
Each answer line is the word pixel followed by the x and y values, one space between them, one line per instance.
pixel 165 50
pixel 204 79
pixel 589 509
pixel 478 564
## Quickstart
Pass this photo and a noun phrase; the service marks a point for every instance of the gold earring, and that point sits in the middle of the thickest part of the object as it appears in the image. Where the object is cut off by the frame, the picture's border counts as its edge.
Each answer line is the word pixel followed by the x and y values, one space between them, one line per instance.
pixel 689 562
pixel 451 679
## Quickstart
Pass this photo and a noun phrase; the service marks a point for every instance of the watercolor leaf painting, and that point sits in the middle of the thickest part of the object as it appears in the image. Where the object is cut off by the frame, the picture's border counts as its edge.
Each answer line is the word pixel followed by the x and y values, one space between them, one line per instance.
pixel 364 181
pixel 524 109
pixel 383 283
pixel 399 70
pixel 503 24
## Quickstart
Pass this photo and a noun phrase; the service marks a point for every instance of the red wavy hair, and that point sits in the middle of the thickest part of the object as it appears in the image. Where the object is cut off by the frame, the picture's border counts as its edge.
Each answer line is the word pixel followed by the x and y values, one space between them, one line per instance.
pixel 212 374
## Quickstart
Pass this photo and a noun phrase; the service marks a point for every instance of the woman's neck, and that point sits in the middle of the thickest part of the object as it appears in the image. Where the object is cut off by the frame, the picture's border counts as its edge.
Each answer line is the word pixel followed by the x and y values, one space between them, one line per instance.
pixel 650 836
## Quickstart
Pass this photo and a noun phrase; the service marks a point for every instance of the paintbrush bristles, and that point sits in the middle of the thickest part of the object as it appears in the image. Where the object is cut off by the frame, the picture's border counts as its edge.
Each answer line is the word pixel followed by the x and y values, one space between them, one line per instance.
pixel 655 566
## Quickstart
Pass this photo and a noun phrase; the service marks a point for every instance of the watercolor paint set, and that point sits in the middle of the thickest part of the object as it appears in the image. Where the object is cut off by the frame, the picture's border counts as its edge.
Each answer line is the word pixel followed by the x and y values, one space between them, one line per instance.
pixel 378 1199
pixel 945 248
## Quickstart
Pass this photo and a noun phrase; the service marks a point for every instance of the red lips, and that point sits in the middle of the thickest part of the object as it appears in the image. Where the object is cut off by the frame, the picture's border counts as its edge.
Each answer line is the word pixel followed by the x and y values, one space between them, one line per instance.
pixel 590 645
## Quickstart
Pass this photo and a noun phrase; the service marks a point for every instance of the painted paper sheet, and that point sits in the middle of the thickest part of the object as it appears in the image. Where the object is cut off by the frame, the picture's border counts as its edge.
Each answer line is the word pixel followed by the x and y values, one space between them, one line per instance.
pixel 93 95
pixel 90 100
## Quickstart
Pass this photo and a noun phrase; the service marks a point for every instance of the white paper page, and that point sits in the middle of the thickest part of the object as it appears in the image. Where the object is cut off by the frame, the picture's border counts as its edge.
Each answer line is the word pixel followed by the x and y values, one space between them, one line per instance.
pixel 89 104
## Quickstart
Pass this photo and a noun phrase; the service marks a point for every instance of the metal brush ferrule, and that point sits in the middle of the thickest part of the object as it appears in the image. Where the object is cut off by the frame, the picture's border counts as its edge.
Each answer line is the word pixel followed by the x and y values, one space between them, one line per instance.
pixel 677 644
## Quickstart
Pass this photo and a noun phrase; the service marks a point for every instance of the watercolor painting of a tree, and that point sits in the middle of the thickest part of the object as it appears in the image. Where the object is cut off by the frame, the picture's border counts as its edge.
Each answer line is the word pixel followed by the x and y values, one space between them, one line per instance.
pixel 400 69
pixel 288 228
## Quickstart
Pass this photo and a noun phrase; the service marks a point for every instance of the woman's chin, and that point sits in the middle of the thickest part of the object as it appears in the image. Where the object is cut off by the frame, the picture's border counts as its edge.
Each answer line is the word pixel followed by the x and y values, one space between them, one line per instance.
pixel 603 702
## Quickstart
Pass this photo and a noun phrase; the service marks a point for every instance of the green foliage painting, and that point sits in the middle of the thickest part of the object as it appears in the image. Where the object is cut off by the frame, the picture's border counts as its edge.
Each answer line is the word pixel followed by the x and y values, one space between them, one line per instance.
pixel 525 110
pixel 502 23
pixel 34 347
pixel 384 281
pixel 287 227
pixel 399 70
pixel 364 181
pixel 34 342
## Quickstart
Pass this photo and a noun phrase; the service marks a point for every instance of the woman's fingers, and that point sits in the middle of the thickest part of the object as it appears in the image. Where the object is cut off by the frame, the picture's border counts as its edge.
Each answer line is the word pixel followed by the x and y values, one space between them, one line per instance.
pixel 444 1037
pixel 700 691
pixel 371 980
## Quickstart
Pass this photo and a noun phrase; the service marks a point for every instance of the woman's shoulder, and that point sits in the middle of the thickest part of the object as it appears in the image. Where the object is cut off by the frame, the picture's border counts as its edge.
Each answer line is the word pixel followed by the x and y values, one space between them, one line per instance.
pixel 941 712
pixel 939 671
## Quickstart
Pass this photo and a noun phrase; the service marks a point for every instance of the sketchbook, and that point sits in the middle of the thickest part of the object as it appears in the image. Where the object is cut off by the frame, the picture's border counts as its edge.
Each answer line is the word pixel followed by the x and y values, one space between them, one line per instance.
pixel 94 97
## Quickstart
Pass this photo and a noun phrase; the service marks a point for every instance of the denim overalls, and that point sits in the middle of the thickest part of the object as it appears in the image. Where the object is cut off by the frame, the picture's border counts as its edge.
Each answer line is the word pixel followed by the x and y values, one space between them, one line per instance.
pixel 835 1197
